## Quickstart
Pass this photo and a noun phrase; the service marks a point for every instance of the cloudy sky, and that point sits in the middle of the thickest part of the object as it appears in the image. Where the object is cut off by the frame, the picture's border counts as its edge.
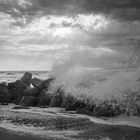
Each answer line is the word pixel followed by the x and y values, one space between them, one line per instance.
pixel 36 34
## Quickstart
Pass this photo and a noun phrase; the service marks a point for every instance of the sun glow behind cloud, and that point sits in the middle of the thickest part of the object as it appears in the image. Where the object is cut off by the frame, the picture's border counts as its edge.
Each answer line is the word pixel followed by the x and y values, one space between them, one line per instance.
pixel 64 25
pixel 62 32
pixel 46 37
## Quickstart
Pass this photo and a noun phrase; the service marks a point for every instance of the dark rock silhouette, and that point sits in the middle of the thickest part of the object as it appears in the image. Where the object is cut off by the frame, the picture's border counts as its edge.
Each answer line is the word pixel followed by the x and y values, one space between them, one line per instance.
pixel 72 103
pixel 84 111
pixel 5 96
pixel 45 101
pixel 42 93
pixel 46 84
pixel 16 89
pixel 57 98
pixel 41 84
pixel 20 107
pixel 68 102
pixel 36 82
pixel 31 91
pixel 26 79
pixel 29 101
pixel 106 109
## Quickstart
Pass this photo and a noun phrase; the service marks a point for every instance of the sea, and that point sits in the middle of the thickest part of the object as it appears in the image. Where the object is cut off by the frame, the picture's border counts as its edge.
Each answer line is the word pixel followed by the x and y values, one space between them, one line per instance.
pixel 11 76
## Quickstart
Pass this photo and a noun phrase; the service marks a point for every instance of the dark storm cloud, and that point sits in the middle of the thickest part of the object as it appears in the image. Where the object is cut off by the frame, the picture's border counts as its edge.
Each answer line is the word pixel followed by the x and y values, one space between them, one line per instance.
pixel 120 9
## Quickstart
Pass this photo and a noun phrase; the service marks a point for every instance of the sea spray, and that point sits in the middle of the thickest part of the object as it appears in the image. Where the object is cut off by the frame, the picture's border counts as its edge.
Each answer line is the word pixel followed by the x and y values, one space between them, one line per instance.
pixel 100 83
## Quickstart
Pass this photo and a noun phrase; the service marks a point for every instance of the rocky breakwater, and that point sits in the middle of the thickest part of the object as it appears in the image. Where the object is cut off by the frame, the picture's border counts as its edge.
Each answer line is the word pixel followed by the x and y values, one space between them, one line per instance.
pixel 23 94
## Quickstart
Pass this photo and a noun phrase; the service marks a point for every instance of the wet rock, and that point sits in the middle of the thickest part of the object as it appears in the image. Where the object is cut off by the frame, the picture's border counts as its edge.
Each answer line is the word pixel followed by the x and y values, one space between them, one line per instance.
pixel 29 101
pixel 44 106
pixel 57 98
pixel 36 82
pixel 104 109
pixel 26 79
pixel 84 111
pixel 71 103
pixel 31 91
pixel 42 93
pixel 17 100
pixel 45 84
pixel 79 104
pixel 5 96
pixel 16 90
pixel 41 84
pixel 4 103
pixel 68 102
pixel 45 101
pixel 20 107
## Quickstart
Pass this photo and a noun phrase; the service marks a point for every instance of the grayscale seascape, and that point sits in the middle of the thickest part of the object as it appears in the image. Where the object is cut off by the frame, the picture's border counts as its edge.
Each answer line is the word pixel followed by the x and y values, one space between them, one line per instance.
pixel 69 69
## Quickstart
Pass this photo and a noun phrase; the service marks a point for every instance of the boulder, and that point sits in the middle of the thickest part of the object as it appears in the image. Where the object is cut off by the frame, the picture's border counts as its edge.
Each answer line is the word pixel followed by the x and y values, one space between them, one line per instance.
pixel 36 82
pixel 31 91
pixel 104 110
pixel 68 102
pixel 42 93
pixel 41 84
pixel 57 98
pixel 71 103
pixel 26 79
pixel 17 100
pixel 45 84
pixel 84 111
pixel 45 101
pixel 16 90
pixel 5 96
pixel 29 101
pixel 79 104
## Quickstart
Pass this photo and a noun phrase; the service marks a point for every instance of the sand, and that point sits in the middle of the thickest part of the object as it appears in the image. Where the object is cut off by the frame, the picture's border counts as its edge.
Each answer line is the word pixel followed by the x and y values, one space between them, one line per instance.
pixel 54 123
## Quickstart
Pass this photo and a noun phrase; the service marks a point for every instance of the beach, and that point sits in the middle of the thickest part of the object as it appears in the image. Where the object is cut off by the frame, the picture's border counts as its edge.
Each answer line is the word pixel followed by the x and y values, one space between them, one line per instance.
pixel 55 123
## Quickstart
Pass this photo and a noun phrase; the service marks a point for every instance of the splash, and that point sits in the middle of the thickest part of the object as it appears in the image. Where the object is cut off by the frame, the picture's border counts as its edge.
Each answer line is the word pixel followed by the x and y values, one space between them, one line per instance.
pixel 95 82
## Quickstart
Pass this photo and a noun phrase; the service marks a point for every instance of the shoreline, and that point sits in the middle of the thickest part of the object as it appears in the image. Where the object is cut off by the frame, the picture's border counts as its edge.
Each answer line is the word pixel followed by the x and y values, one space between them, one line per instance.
pixel 55 123
pixel 131 121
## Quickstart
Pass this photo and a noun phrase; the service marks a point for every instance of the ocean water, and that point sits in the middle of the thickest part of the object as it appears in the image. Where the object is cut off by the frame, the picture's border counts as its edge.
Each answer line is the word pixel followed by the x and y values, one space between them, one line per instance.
pixel 11 76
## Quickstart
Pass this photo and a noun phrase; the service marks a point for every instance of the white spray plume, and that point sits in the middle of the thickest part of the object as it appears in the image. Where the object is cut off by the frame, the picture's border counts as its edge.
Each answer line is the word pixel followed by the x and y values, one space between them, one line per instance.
pixel 81 79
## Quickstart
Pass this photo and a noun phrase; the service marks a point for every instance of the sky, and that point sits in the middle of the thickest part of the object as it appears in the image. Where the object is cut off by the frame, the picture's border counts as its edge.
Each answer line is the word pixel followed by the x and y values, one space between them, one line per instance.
pixel 38 34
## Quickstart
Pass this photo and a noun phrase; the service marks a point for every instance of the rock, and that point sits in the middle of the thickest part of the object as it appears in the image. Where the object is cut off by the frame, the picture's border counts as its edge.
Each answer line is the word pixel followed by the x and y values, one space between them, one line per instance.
pixel 68 102
pixel 74 106
pixel 41 84
pixel 57 98
pixel 79 104
pixel 3 88
pixel 71 103
pixel 42 93
pixel 84 111
pixel 45 101
pixel 26 79
pixel 44 106
pixel 45 84
pixel 5 96
pixel 29 101
pixel 17 100
pixel 16 90
pixel 36 82
pixel 104 110
pixel 31 91
pixel 4 103
pixel 20 107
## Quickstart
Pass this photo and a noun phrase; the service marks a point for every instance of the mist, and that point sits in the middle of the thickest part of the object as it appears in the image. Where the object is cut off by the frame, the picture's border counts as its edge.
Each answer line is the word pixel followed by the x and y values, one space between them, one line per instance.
pixel 103 82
